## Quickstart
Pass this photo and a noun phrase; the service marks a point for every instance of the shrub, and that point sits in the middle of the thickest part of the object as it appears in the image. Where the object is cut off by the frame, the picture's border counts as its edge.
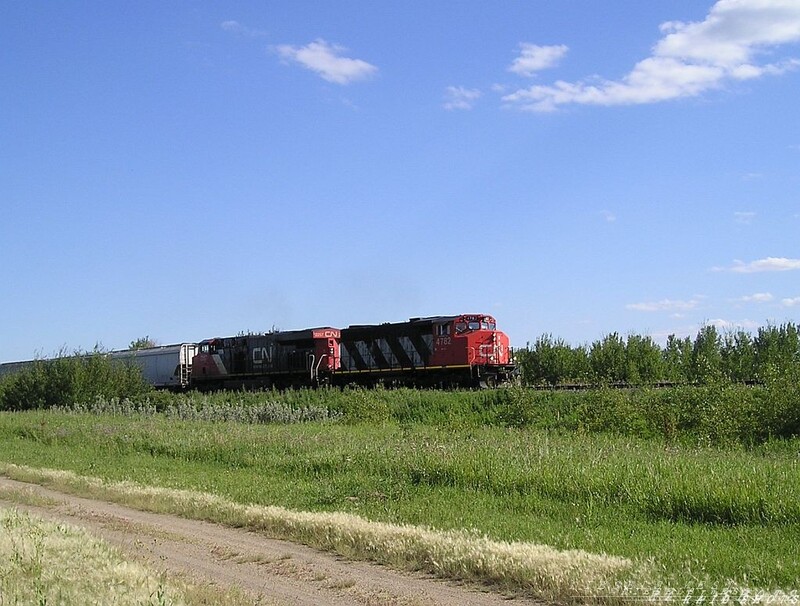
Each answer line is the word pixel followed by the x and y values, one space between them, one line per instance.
pixel 68 380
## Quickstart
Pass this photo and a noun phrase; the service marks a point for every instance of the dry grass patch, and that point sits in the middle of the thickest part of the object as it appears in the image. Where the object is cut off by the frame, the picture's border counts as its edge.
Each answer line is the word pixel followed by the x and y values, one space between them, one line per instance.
pixel 48 563
pixel 25 496
pixel 43 562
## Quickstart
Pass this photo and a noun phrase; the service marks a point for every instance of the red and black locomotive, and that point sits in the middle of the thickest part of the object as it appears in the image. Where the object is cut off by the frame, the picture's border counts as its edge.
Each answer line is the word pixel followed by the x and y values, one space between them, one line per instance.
pixel 465 350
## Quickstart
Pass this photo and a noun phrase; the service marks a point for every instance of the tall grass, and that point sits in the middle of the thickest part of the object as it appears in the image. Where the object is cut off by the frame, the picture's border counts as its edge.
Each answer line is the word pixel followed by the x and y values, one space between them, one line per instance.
pixel 199 407
pixel 722 414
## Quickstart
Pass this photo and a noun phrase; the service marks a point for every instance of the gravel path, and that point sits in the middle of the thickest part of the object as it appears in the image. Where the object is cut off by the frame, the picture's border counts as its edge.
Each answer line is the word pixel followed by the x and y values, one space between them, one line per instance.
pixel 271 571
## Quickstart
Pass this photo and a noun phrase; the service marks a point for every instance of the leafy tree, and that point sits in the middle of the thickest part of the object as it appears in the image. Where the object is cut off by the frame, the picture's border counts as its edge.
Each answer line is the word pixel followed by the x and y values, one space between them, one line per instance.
pixel 738 356
pixel 706 355
pixel 677 359
pixel 644 360
pixel 607 359
pixel 553 361
pixel 777 350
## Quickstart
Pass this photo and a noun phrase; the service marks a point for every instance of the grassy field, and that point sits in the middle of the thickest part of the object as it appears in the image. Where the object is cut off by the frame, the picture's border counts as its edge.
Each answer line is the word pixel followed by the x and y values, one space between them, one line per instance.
pixel 696 519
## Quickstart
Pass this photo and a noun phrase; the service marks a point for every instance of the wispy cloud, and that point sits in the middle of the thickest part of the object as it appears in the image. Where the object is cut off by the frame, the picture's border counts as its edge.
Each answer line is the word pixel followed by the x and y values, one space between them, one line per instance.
pixel 720 323
pixel 234 27
pixel 759 297
pixel 691 330
pixel 327 61
pixel 790 302
pixel 608 216
pixel 744 218
pixel 761 265
pixel 665 305
pixel 690 59
pixel 458 97
pixel 723 324
pixel 533 58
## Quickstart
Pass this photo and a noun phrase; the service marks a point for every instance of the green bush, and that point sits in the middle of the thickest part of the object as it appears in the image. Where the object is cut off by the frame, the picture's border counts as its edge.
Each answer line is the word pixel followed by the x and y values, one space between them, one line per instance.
pixel 68 380
pixel 366 405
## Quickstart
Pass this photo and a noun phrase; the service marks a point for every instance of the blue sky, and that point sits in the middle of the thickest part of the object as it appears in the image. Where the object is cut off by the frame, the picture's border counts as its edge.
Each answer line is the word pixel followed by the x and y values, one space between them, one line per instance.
pixel 187 170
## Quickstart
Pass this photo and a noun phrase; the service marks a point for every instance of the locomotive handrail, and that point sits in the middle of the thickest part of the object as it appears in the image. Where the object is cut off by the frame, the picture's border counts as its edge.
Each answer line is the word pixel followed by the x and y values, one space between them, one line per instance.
pixel 316 369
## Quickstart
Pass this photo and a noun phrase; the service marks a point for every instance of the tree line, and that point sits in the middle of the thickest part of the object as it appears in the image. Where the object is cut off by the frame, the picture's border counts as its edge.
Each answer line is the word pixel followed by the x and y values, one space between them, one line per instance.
pixel 736 356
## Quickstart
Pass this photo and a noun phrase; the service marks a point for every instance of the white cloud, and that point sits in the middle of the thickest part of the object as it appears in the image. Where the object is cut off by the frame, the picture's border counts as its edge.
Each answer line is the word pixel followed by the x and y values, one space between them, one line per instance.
pixel 759 297
pixel 664 305
pixel 326 60
pixel 533 58
pixel 762 265
pixel 237 28
pixel 744 218
pixel 608 216
pixel 458 97
pixel 726 325
pixel 720 323
pixel 791 302
pixel 690 59
pixel 691 330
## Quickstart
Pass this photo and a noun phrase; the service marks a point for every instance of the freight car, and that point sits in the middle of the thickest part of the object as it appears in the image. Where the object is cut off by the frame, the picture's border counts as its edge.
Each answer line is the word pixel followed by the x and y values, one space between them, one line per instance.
pixel 463 350
pixel 165 366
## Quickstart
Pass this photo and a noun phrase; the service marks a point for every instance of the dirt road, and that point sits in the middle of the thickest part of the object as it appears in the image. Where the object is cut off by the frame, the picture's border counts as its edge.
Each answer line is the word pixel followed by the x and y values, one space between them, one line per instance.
pixel 271 571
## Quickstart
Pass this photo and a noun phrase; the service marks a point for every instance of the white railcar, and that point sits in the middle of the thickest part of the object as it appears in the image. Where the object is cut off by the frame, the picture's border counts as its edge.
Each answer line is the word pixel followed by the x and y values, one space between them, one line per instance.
pixel 162 366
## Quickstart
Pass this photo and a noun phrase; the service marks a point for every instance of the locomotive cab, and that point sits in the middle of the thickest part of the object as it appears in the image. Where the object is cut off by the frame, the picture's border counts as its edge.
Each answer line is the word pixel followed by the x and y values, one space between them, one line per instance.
pixel 208 361
pixel 472 340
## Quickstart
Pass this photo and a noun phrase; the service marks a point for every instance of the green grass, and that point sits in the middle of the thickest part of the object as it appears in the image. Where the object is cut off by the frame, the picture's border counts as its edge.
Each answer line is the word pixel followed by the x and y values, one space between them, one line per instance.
pixel 705 517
